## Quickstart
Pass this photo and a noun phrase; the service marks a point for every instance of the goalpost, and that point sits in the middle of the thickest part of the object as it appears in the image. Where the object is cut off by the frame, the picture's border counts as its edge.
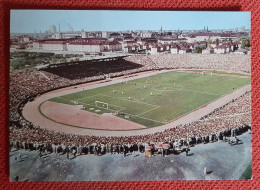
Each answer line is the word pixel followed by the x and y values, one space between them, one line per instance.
pixel 100 104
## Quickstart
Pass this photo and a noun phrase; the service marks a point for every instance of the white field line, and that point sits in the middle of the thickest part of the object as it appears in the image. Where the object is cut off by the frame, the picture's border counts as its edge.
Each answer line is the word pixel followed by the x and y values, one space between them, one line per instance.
pixel 153 86
pixel 137 101
pixel 77 101
pixel 125 99
pixel 148 110
pixel 110 108
pixel 175 89
pixel 93 104
pixel 122 108
pixel 200 92
pixel 112 104
pixel 145 118
pixel 87 97
pixel 228 74
pixel 62 98
pixel 203 105
pixel 141 113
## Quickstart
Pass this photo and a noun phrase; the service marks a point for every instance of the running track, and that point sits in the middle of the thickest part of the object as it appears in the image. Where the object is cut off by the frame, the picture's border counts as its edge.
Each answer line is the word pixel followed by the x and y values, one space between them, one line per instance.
pixel 31 109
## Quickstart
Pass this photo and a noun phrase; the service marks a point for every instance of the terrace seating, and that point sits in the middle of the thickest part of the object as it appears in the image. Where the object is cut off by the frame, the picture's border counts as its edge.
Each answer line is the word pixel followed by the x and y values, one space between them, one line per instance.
pixel 26 85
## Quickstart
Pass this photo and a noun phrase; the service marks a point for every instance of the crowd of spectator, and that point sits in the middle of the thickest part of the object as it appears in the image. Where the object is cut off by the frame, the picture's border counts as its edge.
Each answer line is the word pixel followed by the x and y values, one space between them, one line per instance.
pixel 229 120
pixel 207 129
pixel 92 68
pixel 227 62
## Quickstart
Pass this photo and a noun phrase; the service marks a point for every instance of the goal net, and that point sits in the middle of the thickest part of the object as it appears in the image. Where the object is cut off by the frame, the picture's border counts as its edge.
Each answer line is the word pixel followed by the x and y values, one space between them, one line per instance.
pixel 100 104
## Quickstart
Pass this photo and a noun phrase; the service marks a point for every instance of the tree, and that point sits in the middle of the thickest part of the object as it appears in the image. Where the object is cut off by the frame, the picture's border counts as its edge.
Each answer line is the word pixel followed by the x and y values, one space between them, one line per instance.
pixel 245 43
pixel 15 64
pixel 198 49
pixel 208 42
pixel 217 41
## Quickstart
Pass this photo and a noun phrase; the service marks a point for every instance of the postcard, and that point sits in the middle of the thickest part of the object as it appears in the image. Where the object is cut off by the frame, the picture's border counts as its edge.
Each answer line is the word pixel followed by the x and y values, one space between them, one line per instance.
pixel 102 95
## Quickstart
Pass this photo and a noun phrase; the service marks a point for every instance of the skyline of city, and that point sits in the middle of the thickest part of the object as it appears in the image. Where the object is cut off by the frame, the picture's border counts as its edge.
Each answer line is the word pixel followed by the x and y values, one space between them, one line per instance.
pixel 30 21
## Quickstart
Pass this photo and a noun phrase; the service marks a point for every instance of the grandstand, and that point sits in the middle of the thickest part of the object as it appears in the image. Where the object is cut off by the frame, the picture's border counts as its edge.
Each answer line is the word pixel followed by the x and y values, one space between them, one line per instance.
pixel 90 68
pixel 25 87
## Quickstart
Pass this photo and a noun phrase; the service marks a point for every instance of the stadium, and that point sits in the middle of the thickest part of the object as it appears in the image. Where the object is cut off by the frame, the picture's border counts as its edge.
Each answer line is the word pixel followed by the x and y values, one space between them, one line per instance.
pixel 141 102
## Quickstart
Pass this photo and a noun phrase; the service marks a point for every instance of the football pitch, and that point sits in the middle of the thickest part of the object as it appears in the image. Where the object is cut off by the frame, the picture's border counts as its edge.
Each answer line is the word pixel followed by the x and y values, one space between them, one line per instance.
pixel 158 99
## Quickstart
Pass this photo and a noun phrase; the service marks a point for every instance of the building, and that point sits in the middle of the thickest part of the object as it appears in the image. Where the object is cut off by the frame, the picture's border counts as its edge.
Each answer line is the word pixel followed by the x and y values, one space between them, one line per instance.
pixel 26 39
pixel 191 38
pixel 171 40
pixel 37 45
pixel 138 42
pixel 145 34
pixel 58 35
pixel 129 46
pixel 52 45
pixel 155 49
pixel 184 50
pixel 53 29
pixel 208 51
pixel 105 34
pixel 84 35
pixel 113 46
pixel 174 49
pixel 220 49
pixel 94 47
pixel 241 52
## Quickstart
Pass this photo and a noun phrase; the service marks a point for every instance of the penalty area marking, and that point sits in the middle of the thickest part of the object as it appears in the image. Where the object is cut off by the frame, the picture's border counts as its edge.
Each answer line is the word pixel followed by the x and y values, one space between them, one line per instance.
pixel 87 97
pixel 148 110
pixel 152 86
pixel 93 104
pixel 146 118
pixel 156 106
pixel 126 99
pixel 123 108
pixel 64 114
pixel 138 102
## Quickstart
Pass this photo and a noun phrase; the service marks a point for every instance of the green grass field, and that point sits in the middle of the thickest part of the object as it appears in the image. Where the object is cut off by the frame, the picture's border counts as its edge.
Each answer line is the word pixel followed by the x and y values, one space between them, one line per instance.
pixel 247 174
pixel 156 100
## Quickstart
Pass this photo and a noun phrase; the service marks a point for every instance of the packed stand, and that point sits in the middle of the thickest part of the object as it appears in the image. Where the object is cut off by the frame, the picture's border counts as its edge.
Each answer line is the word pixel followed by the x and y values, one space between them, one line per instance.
pixel 175 140
pixel 228 62
pixel 225 121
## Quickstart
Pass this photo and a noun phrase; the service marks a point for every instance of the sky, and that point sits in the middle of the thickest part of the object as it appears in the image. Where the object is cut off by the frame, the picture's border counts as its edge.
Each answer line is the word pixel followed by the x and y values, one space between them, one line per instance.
pixel 29 21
